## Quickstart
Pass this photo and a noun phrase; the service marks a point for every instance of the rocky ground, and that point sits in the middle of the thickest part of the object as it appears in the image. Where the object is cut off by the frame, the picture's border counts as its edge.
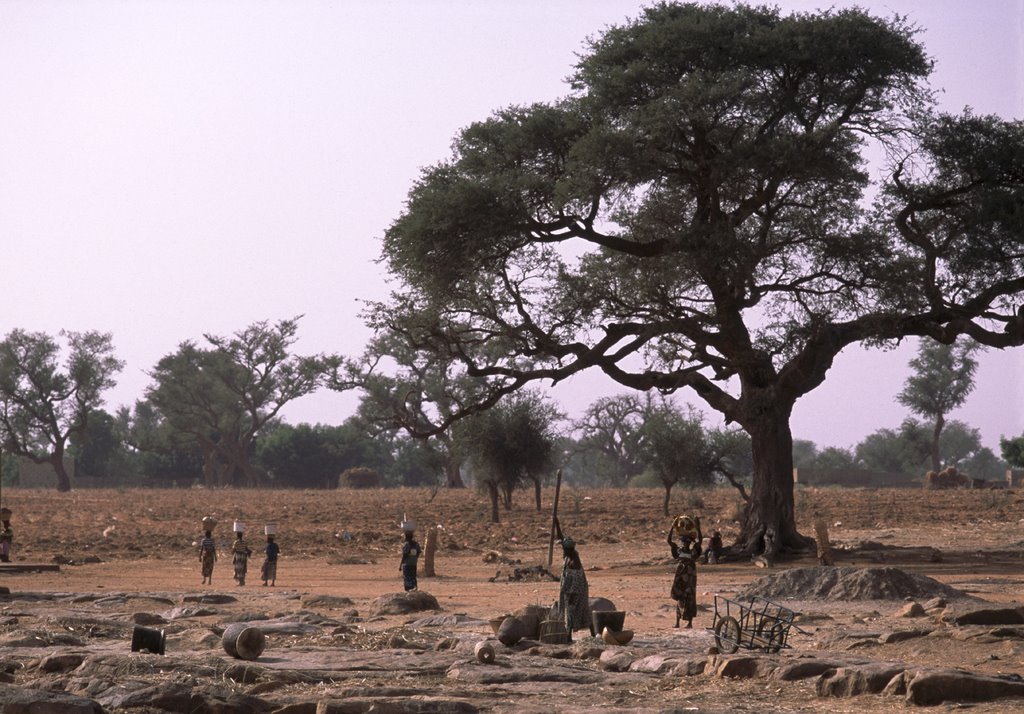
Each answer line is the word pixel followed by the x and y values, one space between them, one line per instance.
pixel 923 606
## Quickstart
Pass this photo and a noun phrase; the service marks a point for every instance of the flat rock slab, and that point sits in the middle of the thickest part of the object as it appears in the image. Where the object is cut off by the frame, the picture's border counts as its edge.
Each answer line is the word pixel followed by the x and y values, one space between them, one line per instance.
pixel 987 616
pixel 404 603
pixel 403 705
pixel 506 673
pixel 19 700
pixel 930 688
pixel 449 621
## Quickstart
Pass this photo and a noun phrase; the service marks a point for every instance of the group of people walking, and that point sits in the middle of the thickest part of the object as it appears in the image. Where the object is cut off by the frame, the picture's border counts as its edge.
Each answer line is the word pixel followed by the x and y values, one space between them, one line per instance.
pixel 240 553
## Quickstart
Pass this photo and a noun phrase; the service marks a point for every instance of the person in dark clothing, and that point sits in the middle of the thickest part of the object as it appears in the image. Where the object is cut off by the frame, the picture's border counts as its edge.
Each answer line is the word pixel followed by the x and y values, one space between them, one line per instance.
pixel 573 590
pixel 410 554
pixel 268 572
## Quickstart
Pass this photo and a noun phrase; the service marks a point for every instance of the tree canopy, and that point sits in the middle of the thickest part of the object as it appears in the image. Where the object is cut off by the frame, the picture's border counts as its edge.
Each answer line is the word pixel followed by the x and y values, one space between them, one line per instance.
pixel 43 402
pixel 222 396
pixel 697 214
pixel 942 378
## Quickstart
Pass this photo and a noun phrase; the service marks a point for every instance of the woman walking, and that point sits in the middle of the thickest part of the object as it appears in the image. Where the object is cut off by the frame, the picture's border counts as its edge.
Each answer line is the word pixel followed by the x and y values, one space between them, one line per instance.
pixel 684 584
pixel 240 552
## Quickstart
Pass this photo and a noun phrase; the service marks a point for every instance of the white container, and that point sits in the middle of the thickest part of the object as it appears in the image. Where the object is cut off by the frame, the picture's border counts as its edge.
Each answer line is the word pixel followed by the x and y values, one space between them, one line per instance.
pixel 238 527
pixel 408 525
pixel 270 529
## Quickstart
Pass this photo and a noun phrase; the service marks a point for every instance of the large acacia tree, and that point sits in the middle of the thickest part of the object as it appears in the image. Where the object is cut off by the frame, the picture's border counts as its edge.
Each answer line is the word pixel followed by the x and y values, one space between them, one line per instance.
pixel 695 214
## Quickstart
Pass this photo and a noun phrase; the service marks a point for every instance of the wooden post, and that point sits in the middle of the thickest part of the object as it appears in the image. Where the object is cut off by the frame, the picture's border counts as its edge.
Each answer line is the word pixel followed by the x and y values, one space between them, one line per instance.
pixel 429 548
pixel 554 515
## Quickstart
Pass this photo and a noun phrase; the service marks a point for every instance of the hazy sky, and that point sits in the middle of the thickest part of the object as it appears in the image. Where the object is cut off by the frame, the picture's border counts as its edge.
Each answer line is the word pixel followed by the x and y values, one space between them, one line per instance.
pixel 173 168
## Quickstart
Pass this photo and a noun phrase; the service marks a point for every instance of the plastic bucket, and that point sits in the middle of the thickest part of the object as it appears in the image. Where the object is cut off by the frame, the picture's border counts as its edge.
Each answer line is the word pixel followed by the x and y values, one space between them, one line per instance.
pixel 238 527
pixel 146 639
pixel 243 641
pixel 270 529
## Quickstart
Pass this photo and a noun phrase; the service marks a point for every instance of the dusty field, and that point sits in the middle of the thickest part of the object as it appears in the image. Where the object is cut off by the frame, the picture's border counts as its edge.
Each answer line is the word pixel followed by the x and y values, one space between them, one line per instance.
pixel 347 544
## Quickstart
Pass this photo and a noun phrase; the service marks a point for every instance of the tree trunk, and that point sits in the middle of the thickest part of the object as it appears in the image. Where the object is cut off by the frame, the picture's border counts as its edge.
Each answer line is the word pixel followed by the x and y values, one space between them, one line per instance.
pixel 429 549
pixel 668 495
pixel 771 525
pixel 940 422
pixel 453 474
pixel 492 491
pixel 63 480
pixel 536 492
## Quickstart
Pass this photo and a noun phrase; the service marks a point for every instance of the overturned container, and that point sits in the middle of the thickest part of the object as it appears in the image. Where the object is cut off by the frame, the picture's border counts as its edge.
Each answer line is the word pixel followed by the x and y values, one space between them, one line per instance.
pixel 243 641
pixel 148 640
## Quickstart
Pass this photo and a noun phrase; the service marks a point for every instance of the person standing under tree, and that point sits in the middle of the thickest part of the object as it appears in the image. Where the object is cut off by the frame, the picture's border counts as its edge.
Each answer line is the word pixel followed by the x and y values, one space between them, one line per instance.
pixel 6 535
pixel 684 584
pixel 410 555
pixel 240 553
pixel 573 590
pixel 207 556
pixel 269 570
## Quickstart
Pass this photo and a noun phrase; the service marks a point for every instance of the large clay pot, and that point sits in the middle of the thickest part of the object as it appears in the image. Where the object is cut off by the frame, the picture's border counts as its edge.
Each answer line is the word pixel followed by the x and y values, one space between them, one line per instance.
pixel 511 631
pixel 243 641
pixel 531 617
pixel 612 619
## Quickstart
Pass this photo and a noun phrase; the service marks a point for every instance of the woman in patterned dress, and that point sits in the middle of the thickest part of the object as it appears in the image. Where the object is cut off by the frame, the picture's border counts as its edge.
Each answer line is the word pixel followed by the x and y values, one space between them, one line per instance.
pixel 684 584
pixel 207 557
pixel 573 590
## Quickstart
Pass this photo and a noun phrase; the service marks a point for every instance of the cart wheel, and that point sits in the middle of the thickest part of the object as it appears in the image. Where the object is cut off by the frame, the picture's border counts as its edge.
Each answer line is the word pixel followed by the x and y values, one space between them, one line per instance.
pixel 727 635
pixel 777 637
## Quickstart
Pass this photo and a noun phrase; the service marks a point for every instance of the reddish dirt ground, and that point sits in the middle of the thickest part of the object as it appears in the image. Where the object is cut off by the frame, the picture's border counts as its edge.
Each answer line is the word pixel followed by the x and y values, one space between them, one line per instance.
pixel 347 543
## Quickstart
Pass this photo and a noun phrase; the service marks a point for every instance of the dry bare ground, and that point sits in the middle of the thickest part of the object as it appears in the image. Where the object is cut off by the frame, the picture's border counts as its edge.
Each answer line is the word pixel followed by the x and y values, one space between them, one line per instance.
pixel 70 630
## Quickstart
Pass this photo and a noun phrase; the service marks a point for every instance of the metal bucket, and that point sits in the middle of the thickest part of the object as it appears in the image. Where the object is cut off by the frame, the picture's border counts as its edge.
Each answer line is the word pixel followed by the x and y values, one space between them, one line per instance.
pixel 145 639
pixel 243 641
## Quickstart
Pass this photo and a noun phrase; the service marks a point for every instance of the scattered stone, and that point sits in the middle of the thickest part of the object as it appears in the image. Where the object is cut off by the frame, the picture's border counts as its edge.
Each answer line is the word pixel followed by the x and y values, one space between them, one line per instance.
pixel 804 669
pixel 404 603
pixel 210 598
pixel 18 700
pixel 853 681
pixel 402 705
pixel 936 603
pixel 911 609
pixel 616 660
pixel 330 602
pixel 61 662
pixel 889 638
pixel 147 618
pixel 180 613
pixel 743 666
pixel 935 687
pixel 987 616
pixel 452 621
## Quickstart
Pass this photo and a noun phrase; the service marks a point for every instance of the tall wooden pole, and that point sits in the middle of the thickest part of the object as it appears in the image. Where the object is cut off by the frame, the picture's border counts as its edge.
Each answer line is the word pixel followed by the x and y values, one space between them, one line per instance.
pixel 554 516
